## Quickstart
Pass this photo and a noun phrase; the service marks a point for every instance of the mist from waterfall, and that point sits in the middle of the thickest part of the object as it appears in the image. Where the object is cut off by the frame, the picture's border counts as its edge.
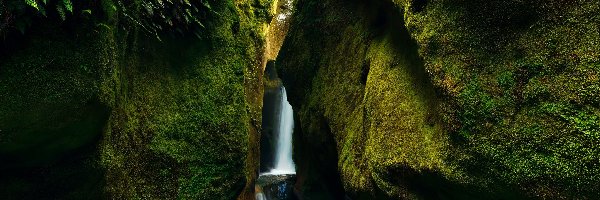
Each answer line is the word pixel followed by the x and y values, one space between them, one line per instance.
pixel 283 153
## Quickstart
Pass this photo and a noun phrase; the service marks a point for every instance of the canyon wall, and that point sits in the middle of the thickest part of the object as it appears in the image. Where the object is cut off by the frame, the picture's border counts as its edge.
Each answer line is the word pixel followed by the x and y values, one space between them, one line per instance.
pixel 438 99
pixel 98 105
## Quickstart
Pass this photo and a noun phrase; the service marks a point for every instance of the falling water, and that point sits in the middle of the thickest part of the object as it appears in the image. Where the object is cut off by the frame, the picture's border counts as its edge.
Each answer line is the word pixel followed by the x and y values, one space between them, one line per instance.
pixel 260 196
pixel 283 154
pixel 278 182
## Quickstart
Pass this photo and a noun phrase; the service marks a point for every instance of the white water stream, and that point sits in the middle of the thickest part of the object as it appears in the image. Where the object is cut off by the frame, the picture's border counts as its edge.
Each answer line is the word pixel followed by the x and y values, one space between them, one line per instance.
pixel 283 164
pixel 283 153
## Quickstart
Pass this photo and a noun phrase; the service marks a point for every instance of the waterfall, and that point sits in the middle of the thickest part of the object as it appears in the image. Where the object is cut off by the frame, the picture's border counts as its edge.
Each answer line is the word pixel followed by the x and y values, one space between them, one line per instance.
pixel 283 154
pixel 260 196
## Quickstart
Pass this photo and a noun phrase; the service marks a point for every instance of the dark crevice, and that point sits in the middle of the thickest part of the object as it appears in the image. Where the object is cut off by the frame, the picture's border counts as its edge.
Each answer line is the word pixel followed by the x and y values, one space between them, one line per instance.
pixel 270 113
pixel 63 164
pixel 418 5
pixel 364 74
pixel 316 162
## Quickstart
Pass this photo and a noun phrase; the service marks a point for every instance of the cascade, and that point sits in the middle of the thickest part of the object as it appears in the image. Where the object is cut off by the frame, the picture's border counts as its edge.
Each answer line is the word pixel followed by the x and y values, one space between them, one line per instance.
pixel 283 151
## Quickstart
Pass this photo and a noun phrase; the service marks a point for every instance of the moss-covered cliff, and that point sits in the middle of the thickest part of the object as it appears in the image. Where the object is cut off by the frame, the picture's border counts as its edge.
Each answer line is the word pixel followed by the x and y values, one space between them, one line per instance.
pixel 439 99
pixel 176 118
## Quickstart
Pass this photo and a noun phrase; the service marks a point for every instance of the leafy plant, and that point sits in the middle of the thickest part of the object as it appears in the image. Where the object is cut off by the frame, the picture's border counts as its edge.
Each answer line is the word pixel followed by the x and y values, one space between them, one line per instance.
pixel 61 6
pixel 154 16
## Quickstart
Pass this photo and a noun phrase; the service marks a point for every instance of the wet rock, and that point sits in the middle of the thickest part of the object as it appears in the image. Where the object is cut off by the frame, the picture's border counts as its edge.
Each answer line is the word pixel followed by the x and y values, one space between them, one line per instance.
pixel 276 187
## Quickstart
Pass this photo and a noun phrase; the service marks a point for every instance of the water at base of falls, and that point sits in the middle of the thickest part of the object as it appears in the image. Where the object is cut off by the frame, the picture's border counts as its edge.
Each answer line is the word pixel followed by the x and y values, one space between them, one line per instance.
pixel 283 153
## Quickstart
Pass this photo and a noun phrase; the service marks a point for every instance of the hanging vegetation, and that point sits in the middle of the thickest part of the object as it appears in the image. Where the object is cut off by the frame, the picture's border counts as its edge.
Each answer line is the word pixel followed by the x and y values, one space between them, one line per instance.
pixel 153 17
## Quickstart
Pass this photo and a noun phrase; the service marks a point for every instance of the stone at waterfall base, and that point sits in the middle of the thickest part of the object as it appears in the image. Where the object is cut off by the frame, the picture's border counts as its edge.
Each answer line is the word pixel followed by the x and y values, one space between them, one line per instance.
pixel 276 186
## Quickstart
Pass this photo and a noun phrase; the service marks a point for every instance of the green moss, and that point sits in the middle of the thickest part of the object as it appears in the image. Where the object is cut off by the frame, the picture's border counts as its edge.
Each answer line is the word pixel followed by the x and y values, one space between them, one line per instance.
pixel 182 127
pixel 378 104
pixel 511 72
pixel 515 106
pixel 183 112
pixel 50 117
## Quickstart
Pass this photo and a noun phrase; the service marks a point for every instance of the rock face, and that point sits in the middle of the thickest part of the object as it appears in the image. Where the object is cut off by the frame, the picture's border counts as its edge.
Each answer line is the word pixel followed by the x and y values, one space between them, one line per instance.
pixel 432 99
pixel 176 118
pixel 276 187
pixel 270 113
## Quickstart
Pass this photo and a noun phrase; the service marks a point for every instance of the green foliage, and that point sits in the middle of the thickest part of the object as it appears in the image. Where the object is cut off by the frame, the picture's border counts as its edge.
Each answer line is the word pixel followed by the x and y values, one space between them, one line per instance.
pixel 33 3
pixel 156 16
pixel 61 6
pixel 20 14
pixel 67 4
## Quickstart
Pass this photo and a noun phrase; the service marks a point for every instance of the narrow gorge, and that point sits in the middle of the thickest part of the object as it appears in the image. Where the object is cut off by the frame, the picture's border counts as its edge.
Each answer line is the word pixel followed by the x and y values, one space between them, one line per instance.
pixel 299 99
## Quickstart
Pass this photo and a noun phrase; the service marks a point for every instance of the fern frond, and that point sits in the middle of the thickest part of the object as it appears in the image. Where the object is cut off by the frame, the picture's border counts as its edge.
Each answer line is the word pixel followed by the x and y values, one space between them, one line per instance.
pixel 33 3
pixel 61 12
pixel 68 5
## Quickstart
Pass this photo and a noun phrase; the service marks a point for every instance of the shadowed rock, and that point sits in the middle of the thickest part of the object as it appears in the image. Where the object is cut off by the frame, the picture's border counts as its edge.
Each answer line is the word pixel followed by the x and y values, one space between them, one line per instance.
pixel 277 187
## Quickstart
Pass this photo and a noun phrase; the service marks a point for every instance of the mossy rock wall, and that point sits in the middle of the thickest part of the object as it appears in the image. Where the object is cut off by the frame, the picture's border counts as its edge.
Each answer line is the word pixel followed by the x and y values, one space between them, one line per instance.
pixel 434 99
pixel 50 116
pixel 176 118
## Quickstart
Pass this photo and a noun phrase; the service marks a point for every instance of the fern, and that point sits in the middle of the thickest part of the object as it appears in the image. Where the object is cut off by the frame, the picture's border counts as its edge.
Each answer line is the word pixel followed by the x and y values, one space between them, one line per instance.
pixel 68 5
pixel 33 3
pixel 153 16
pixel 61 12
